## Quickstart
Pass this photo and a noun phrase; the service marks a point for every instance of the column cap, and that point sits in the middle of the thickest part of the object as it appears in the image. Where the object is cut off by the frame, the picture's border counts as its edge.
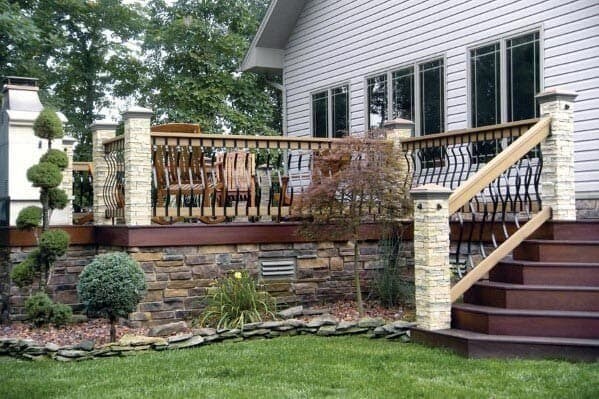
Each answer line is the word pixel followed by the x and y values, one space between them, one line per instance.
pixel 137 112
pixel 398 124
pixel 431 191
pixel 556 94
pixel 104 124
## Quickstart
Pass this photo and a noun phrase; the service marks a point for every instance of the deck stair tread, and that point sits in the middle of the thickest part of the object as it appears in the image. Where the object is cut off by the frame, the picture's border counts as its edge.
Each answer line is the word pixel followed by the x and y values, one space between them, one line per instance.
pixel 511 261
pixel 471 335
pixel 531 287
pixel 561 242
pixel 524 312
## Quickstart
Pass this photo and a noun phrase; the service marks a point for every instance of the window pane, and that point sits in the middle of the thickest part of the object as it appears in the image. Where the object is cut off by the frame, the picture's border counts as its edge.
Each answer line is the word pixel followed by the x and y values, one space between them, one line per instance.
pixel 432 101
pixel 320 114
pixel 403 94
pixel 377 101
pixel 485 86
pixel 523 76
pixel 340 111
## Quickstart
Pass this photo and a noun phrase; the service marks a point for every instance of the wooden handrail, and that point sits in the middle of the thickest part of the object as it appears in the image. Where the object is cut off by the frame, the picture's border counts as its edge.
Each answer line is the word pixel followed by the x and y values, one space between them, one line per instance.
pixel 113 140
pixel 500 252
pixel 455 134
pixel 498 165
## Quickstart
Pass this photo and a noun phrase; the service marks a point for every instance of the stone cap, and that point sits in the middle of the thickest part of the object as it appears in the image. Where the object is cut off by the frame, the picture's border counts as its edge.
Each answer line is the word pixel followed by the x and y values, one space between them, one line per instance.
pixel 104 124
pixel 398 124
pixel 431 191
pixel 555 94
pixel 137 112
pixel 68 140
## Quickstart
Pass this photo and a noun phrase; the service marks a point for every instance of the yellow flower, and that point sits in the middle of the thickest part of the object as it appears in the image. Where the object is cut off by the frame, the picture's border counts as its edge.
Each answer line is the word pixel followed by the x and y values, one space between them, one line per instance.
pixel 237 275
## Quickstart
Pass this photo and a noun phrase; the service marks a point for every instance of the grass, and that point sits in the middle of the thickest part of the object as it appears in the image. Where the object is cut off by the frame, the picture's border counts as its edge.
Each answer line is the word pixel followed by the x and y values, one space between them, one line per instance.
pixel 299 367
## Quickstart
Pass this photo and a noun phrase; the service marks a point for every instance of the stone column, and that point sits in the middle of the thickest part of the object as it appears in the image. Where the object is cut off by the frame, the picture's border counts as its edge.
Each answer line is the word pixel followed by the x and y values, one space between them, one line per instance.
pixel 396 130
pixel 68 144
pixel 138 167
pixel 431 257
pixel 557 179
pixel 101 130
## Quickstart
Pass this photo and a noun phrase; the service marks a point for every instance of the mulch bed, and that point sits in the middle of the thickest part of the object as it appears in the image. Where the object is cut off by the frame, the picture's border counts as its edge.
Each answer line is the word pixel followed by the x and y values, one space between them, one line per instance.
pixel 98 330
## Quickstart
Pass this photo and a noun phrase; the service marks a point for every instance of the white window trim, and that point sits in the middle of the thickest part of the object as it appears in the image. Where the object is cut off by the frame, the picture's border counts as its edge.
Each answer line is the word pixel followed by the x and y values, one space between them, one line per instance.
pixel 502 39
pixel 389 73
pixel 329 90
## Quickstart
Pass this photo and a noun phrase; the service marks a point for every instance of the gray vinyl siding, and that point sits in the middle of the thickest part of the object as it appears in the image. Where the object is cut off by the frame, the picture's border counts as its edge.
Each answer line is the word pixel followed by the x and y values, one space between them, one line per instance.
pixel 349 40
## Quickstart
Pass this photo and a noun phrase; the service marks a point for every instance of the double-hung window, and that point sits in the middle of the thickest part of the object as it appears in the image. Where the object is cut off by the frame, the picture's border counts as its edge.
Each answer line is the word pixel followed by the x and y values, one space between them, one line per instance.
pixel 330 112
pixel 414 92
pixel 504 79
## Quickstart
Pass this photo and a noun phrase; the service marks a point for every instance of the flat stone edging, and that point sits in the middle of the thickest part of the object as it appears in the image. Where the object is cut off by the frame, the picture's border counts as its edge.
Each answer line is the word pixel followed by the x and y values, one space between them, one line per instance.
pixel 130 345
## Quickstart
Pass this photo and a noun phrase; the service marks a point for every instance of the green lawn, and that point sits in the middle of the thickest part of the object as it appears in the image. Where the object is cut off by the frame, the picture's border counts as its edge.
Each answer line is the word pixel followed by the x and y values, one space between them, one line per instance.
pixel 299 367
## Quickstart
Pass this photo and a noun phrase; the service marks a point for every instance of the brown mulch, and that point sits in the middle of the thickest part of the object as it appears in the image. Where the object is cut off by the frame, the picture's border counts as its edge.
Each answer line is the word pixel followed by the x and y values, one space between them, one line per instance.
pixel 98 330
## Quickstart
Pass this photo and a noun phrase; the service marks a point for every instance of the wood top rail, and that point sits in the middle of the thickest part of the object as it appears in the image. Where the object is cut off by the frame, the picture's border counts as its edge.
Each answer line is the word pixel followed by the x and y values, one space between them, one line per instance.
pixel 239 141
pixel 504 160
pixel 82 166
pixel 500 252
pixel 113 140
pixel 461 136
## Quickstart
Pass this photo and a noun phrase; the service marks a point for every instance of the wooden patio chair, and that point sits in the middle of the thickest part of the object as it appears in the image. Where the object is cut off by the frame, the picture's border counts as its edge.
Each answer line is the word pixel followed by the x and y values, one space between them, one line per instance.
pixel 236 177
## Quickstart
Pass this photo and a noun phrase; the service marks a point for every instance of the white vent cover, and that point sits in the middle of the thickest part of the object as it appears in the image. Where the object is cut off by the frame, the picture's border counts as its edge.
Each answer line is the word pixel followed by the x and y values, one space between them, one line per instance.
pixel 278 268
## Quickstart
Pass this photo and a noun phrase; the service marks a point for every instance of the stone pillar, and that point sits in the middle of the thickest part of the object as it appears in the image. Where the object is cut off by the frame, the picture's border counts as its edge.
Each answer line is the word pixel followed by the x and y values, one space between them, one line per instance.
pixel 102 130
pixel 557 179
pixel 396 130
pixel 431 257
pixel 138 167
pixel 68 143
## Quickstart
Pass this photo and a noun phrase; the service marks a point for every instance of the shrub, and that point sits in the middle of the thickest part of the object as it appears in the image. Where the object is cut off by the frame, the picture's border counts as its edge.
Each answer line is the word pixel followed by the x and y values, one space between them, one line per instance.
pixel 44 175
pixel 111 285
pixel 56 157
pixel 53 244
pixel 48 125
pixel 235 301
pixel 29 218
pixel 41 310
pixel 57 198
pixel 23 273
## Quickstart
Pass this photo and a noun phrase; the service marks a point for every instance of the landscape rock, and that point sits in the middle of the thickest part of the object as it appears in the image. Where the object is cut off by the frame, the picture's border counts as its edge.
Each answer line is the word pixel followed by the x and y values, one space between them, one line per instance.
pixel 168 329
pixel 72 353
pixel 368 322
pixel 86 345
pixel 193 341
pixel 140 340
pixel 203 331
pixel 326 331
pixel 178 338
pixel 291 313
pixel 324 320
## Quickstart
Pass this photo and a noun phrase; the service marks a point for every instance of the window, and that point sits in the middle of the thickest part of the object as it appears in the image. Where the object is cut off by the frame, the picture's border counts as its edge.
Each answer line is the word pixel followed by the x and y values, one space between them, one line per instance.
pixel 432 99
pixel 416 93
pixel 330 112
pixel 377 101
pixel 522 70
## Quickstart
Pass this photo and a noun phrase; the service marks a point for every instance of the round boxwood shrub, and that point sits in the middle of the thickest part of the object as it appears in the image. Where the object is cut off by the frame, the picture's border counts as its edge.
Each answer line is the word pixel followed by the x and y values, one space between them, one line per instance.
pixel 56 157
pixel 41 310
pixel 48 125
pixel 44 175
pixel 111 286
pixel 29 218
pixel 23 273
pixel 57 198
pixel 53 244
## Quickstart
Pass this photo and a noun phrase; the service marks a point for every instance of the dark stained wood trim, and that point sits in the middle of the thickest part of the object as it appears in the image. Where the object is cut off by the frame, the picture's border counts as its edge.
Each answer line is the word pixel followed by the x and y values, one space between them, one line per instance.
pixel 13 237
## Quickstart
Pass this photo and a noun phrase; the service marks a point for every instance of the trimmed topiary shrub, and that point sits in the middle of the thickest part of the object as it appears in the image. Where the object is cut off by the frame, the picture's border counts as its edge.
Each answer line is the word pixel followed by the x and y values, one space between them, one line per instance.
pixel 111 286
pixel 23 273
pixel 57 198
pixel 56 157
pixel 53 244
pixel 48 125
pixel 41 310
pixel 29 218
pixel 44 175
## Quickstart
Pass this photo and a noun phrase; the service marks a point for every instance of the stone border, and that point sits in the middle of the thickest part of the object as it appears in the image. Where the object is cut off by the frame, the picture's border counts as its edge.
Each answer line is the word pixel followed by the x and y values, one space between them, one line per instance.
pixel 130 345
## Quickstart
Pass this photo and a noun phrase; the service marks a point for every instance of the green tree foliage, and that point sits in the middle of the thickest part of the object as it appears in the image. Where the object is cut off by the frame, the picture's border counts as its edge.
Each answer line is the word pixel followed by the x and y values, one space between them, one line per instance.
pixel 48 125
pixel 29 218
pixel 56 157
pixel 194 49
pixel 53 244
pixel 45 175
pixel 41 310
pixel 57 199
pixel 111 286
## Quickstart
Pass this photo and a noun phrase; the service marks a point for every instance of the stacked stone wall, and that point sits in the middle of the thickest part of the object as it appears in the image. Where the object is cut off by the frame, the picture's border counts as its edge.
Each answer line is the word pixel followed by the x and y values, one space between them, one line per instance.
pixel 587 209
pixel 178 277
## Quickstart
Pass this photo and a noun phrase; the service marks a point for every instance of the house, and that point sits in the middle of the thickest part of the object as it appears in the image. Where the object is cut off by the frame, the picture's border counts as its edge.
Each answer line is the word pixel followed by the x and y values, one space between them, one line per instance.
pixel 348 66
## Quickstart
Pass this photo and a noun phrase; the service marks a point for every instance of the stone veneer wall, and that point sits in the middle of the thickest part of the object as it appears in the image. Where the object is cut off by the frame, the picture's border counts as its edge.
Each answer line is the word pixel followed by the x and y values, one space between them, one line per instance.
pixel 587 209
pixel 178 277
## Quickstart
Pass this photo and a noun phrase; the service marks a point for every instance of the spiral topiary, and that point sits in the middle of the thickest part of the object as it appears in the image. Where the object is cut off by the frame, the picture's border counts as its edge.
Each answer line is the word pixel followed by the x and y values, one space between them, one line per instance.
pixel 29 218
pixel 48 125
pixel 56 157
pixel 44 175
pixel 111 285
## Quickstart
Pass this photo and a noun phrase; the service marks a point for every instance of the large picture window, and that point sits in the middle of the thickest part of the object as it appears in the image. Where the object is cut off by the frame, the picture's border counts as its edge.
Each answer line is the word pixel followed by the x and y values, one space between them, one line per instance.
pixel 485 85
pixel 416 93
pixel 330 112
pixel 523 76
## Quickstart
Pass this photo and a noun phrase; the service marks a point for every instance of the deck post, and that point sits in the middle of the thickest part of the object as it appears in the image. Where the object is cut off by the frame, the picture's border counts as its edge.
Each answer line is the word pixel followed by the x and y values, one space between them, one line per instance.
pixel 138 166
pixel 68 144
pixel 431 257
pixel 557 179
pixel 101 130
pixel 396 130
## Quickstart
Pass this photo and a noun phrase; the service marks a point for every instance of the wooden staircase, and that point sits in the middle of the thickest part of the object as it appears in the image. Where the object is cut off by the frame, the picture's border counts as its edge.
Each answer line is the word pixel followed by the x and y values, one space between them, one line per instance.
pixel 542 302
